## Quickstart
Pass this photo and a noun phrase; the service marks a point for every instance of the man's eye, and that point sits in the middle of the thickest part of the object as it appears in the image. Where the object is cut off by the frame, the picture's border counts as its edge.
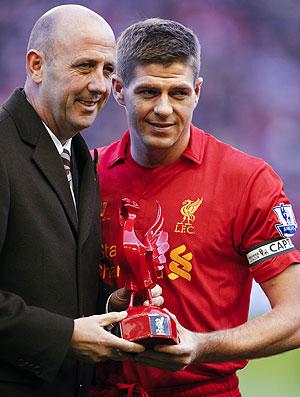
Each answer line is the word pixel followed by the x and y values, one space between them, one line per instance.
pixel 84 66
pixel 148 92
pixel 180 93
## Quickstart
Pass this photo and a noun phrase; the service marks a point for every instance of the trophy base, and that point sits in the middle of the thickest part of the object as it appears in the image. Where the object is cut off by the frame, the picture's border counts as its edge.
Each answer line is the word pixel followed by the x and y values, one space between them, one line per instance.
pixel 149 326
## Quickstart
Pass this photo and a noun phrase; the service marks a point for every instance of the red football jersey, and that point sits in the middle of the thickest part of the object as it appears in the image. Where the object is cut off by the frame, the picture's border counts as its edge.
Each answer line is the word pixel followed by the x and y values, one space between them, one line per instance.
pixel 227 219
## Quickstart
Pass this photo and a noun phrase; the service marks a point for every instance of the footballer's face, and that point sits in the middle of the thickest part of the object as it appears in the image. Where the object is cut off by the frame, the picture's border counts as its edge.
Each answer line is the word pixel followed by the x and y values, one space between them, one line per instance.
pixel 159 102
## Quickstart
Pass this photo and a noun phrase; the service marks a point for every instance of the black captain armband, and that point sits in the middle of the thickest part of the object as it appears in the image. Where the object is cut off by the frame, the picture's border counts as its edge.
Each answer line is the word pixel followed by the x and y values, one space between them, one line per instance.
pixel 268 250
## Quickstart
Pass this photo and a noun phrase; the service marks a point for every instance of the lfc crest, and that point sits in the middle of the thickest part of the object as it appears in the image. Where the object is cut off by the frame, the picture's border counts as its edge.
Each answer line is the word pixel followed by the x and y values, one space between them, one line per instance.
pixel 188 210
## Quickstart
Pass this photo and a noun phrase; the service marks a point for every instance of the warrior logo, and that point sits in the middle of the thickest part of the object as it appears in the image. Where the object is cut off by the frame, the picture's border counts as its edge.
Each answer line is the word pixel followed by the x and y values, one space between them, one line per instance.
pixel 188 210
pixel 181 264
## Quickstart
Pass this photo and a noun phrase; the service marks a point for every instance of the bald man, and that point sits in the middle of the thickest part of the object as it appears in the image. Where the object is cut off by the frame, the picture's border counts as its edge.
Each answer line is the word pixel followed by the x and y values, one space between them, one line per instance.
pixel 49 212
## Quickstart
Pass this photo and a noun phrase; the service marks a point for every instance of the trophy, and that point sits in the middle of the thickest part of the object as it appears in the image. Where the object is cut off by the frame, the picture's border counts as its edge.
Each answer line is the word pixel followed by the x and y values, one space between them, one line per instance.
pixel 140 261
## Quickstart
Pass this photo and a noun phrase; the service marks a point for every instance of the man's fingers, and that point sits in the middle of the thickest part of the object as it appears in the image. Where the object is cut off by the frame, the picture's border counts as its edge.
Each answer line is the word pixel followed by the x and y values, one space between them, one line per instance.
pixel 119 344
pixel 119 355
pixel 111 318
pixel 126 346
pixel 114 341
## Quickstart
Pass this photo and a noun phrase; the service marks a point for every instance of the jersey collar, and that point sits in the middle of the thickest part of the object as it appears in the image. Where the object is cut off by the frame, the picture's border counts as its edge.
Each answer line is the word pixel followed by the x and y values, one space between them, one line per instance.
pixel 193 152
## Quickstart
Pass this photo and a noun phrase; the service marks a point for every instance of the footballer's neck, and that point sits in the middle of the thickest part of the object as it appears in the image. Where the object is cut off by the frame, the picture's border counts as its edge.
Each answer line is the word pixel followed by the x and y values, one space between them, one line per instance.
pixel 152 157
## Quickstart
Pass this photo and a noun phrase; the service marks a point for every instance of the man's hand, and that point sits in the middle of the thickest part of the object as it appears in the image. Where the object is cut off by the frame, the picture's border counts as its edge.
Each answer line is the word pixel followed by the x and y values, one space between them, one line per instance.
pixel 119 299
pixel 90 341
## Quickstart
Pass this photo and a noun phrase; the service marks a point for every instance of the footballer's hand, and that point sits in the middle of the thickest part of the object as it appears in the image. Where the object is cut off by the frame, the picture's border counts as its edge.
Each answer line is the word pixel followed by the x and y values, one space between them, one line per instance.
pixel 157 298
pixel 119 299
pixel 91 342
pixel 175 357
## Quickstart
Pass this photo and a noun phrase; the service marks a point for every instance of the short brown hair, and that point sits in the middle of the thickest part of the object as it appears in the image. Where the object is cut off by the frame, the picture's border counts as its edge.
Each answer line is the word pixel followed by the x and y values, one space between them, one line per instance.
pixel 156 40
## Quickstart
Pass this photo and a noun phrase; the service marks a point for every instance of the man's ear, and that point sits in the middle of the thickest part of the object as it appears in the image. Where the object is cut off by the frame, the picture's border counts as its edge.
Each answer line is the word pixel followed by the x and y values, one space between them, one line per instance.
pixel 197 88
pixel 35 65
pixel 118 89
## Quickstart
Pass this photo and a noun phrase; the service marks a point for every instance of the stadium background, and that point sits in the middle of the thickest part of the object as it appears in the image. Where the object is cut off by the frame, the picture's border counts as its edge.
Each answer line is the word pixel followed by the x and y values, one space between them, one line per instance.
pixel 250 99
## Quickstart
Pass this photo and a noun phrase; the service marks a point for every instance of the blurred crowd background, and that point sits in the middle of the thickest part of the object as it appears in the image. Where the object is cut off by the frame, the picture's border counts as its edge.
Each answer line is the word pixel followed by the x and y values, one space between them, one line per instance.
pixel 250 66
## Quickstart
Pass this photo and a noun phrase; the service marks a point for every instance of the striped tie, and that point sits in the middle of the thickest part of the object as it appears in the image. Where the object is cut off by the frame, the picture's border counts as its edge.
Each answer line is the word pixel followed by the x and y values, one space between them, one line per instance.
pixel 66 158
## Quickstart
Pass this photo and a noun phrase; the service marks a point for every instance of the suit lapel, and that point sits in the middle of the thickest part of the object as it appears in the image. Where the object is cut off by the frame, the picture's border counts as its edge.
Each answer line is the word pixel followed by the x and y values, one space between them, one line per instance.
pixel 45 155
pixel 88 197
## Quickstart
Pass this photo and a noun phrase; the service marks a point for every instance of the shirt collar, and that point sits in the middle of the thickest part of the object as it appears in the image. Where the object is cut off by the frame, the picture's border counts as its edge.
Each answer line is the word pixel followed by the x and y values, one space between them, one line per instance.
pixel 57 142
pixel 195 148
pixel 193 152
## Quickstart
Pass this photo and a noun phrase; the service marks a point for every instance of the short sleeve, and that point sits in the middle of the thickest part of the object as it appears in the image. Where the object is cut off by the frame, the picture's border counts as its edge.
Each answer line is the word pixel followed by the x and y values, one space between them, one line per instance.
pixel 265 224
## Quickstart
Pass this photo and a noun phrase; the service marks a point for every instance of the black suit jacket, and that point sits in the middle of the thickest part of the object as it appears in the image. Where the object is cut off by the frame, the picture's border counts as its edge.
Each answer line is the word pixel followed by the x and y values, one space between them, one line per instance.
pixel 48 257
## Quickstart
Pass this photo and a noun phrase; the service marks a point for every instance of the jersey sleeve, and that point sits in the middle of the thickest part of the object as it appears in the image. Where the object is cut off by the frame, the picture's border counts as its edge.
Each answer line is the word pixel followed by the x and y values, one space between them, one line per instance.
pixel 265 224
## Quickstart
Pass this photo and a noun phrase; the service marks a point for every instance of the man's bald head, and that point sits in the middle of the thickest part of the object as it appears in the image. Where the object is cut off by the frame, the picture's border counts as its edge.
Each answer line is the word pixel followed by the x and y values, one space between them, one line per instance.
pixel 69 62
pixel 59 24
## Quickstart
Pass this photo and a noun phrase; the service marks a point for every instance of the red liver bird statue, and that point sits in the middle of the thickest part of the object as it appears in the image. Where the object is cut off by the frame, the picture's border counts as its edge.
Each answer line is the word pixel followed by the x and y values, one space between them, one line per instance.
pixel 141 260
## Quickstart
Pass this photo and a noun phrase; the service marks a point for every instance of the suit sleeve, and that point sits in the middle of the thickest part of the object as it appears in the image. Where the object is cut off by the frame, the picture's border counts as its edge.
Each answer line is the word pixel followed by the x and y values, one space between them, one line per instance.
pixel 31 338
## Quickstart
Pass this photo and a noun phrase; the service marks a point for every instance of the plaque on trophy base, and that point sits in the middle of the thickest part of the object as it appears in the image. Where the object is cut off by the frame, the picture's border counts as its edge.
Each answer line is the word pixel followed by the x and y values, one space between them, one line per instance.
pixel 149 326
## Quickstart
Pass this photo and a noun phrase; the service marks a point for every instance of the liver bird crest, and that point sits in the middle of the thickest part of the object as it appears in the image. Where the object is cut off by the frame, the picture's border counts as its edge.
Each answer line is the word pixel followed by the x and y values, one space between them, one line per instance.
pixel 188 209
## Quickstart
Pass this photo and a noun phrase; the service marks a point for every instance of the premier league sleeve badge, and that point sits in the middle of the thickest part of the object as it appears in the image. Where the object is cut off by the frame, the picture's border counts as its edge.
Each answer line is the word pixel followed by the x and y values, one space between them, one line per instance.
pixel 288 225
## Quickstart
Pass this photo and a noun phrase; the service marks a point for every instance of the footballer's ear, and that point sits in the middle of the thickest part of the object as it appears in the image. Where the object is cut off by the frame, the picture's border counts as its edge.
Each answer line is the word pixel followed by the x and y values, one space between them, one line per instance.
pixel 118 89
pixel 35 65
pixel 197 88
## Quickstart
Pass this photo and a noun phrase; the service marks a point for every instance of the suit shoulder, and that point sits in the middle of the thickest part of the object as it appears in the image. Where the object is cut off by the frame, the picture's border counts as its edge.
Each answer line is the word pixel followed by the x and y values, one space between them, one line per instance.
pixel 7 126
pixel 5 118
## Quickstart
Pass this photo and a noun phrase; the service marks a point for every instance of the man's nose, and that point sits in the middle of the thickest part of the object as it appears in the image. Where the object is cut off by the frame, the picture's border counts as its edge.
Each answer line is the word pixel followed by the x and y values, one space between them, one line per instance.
pixel 163 107
pixel 98 82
